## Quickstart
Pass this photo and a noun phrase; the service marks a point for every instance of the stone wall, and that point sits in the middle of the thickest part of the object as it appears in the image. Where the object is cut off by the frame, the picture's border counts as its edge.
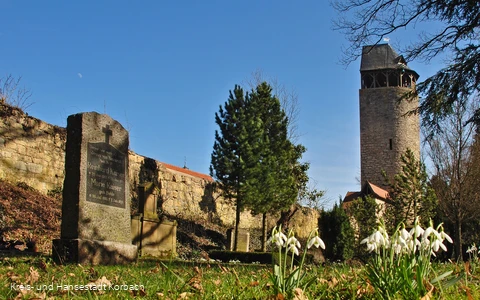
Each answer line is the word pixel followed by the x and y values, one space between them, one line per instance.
pixel 184 193
pixel 33 151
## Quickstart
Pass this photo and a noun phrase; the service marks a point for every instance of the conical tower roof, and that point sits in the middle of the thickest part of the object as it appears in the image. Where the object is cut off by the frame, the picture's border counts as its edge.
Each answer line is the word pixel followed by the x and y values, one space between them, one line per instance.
pixel 381 57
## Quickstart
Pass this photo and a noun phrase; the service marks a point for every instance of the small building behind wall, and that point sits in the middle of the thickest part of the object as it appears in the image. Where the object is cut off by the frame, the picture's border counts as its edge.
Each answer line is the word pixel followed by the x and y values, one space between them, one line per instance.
pixel 380 195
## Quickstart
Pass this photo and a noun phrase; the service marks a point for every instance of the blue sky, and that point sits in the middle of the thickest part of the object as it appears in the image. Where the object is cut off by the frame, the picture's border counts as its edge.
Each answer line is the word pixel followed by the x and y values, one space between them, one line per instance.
pixel 163 68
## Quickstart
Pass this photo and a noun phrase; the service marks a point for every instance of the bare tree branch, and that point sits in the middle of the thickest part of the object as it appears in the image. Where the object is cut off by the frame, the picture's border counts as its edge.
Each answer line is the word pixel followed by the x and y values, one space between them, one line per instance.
pixel 455 178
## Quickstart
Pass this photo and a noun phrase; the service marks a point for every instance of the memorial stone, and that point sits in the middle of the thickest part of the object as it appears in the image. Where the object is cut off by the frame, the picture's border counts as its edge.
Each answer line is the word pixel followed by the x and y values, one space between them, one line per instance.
pixel 96 225
pixel 243 244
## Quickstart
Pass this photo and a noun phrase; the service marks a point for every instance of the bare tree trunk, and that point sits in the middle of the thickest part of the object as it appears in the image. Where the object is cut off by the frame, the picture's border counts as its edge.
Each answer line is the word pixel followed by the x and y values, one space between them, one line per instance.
pixel 458 240
pixel 237 224
pixel 285 216
pixel 264 232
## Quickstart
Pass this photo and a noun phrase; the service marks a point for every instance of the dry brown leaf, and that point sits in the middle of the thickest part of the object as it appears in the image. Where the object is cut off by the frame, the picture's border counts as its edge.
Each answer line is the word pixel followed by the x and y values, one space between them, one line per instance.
pixel 196 283
pixel 31 295
pixel 197 270
pixel 139 292
pixel 71 274
pixel 236 276
pixel 217 282
pixel 224 269
pixel 13 276
pixel 184 295
pixel 100 282
pixel 428 296
pixel 467 268
pixel 254 283
pixel 33 276
pixel 322 280
pixel 299 295
pixel 333 282
pixel 467 291
pixel 42 265
pixel 161 296
pixel 279 297
pixel 154 270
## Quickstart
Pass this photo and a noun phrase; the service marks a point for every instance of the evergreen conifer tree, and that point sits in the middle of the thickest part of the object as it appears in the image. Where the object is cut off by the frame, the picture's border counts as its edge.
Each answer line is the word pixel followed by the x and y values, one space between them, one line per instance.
pixel 363 212
pixel 273 183
pixel 233 151
pixel 337 233
pixel 253 161
pixel 411 194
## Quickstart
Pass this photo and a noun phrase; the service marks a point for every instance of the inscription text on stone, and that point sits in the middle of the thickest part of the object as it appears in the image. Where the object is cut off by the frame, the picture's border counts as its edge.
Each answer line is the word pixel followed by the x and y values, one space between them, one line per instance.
pixel 105 175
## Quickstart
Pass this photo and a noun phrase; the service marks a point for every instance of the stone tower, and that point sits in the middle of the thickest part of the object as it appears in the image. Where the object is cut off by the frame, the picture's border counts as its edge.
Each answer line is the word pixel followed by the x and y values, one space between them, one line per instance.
pixel 385 131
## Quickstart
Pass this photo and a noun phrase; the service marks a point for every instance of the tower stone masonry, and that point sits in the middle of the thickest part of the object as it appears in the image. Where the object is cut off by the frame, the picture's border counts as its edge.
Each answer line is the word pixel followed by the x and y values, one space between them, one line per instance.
pixel 386 130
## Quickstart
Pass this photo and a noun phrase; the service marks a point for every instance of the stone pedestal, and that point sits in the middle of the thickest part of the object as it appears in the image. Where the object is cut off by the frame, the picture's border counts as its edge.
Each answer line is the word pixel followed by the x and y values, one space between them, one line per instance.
pixel 96 225
pixel 91 252
pixel 154 238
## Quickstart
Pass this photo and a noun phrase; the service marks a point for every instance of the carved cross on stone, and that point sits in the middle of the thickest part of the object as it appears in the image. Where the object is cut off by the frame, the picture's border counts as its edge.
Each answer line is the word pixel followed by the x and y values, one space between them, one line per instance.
pixel 108 133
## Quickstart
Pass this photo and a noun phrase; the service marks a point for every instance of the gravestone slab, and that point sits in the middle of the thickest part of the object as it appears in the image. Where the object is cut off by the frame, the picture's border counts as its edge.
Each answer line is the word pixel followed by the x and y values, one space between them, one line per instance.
pixel 96 225
pixel 243 244
pixel 153 237
pixel 147 196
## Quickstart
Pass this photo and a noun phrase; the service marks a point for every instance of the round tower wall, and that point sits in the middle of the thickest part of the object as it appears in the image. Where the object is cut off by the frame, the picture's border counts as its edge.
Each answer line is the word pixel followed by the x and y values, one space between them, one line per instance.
pixel 386 132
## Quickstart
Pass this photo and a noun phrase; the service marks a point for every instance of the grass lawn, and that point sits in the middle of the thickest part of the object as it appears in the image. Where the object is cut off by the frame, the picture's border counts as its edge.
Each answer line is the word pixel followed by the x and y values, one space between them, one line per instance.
pixel 39 278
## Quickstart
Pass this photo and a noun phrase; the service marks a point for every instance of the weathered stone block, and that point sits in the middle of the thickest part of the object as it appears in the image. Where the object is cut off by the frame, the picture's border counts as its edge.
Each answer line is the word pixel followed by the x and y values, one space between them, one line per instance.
pixel 34 168
pixel 20 165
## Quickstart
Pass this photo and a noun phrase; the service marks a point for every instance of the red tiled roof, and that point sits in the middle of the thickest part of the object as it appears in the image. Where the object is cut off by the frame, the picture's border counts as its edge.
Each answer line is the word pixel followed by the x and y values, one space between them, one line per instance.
pixel 367 189
pixel 188 172
pixel 350 196
pixel 378 191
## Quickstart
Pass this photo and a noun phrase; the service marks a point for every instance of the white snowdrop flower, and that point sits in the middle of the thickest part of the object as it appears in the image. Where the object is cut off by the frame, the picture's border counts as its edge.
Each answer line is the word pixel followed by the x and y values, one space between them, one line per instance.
pixel 405 234
pixel 371 246
pixel 399 245
pixel 412 245
pixel 472 248
pixel 376 240
pixel 293 241
pixel 317 242
pixel 293 249
pixel 416 231
pixel 437 244
pixel 277 238
pixel 428 232
pixel 445 236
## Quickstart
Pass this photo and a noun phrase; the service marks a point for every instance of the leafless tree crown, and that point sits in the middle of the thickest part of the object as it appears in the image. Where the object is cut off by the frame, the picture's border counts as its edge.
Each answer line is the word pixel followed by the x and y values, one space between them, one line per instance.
pixel 368 22
pixel 288 99
pixel 12 93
